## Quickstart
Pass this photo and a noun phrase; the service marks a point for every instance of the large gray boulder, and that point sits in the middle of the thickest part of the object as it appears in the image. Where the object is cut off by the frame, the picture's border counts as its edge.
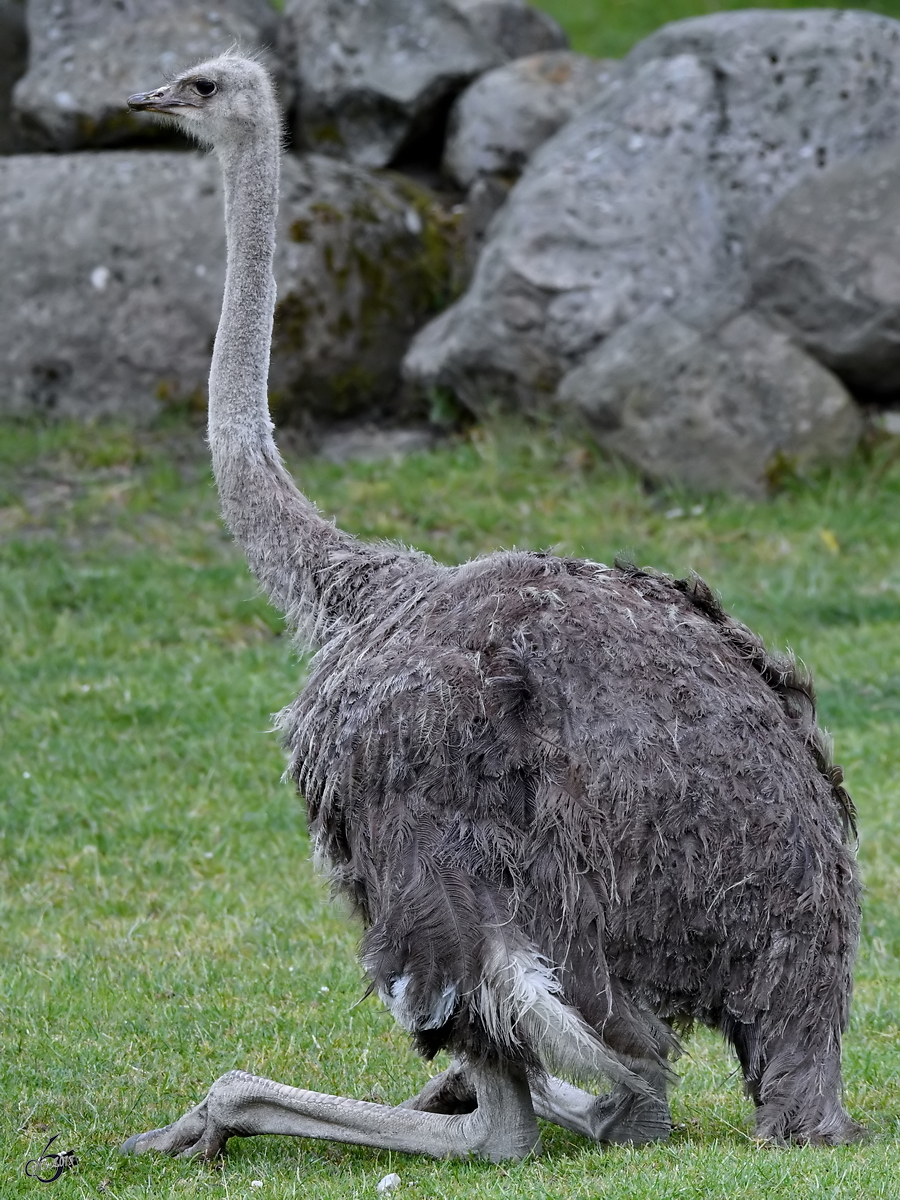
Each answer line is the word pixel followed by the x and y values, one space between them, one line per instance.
pixel 718 410
pixel 363 261
pixel 13 61
pixel 825 266
pixel 372 77
pixel 500 120
pixel 86 56
pixel 651 194
pixel 112 270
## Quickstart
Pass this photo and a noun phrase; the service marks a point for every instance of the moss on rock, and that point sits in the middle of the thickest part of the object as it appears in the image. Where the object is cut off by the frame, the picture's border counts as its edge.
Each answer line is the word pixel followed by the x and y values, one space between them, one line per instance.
pixel 369 258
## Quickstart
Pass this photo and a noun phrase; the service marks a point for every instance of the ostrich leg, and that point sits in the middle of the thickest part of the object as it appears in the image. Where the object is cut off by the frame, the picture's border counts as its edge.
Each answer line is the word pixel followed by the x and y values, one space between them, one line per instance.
pixel 621 1117
pixel 501 1126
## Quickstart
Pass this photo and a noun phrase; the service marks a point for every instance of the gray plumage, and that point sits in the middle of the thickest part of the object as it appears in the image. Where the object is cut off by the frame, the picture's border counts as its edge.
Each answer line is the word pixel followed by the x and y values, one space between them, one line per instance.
pixel 577 807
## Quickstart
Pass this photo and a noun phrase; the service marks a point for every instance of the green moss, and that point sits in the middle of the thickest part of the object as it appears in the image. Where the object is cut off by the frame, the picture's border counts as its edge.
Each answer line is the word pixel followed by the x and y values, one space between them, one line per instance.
pixel 388 282
pixel 340 274
pixel 174 401
pixel 439 263
pixel 413 275
pixel 113 128
pixel 292 316
pixel 87 127
pixel 380 291
pixel 325 213
pixel 440 260
pixel 345 324
pixel 325 134
pixel 362 210
pixel 349 390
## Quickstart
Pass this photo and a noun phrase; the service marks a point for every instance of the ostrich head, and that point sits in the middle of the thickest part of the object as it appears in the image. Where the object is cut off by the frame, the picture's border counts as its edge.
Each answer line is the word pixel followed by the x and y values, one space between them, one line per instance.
pixel 220 101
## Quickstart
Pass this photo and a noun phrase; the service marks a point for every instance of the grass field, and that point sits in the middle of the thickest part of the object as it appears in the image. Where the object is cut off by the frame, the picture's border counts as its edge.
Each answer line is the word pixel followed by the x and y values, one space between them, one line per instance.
pixel 160 921
pixel 611 27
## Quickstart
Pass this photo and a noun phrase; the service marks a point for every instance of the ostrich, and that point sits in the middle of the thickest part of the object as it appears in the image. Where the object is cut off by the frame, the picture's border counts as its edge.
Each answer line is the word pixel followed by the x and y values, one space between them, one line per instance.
pixel 577 808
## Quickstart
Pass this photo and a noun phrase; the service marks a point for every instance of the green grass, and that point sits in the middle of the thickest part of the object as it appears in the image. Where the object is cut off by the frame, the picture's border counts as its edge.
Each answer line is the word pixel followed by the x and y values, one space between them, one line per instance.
pixel 611 27
pixel 160 921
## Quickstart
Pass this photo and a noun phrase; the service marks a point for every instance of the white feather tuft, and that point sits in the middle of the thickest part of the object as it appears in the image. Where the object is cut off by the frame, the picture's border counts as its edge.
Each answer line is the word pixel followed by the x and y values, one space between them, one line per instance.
pixel 519 1003
pixel 411 1016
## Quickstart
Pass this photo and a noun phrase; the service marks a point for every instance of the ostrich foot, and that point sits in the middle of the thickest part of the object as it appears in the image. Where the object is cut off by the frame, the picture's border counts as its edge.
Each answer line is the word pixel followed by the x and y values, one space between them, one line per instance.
pixel 500 1126
pixel 621 1118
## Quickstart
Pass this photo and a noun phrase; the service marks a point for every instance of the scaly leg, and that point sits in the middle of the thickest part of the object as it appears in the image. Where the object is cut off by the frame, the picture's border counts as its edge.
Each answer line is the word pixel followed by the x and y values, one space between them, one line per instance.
pixel 621 1117
pixel 501 1126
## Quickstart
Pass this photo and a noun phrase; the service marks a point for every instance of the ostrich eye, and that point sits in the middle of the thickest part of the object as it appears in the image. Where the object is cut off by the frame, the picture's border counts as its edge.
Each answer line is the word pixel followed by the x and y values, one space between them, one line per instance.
pixel 205 87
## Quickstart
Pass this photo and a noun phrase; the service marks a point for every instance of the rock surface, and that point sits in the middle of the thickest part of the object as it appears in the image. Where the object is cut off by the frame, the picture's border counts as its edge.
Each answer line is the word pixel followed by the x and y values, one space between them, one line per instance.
pixel 13 61
pixel 112 270
pixel 825 266
pixel 363 260
pixel 500 120
pixel 714 411
pixel 651 193
pixel 86 56
pixel 372 77
pixel 484 199
pixel 370 443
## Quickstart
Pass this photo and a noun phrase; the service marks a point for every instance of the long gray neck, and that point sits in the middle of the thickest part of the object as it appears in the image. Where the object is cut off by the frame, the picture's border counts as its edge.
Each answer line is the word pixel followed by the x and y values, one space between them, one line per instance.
pixel 238 402
pixel 289 546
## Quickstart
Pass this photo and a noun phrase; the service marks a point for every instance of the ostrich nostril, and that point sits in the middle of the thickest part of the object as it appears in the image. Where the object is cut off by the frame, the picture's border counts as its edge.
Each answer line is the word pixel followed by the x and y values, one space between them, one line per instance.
pixel 146 100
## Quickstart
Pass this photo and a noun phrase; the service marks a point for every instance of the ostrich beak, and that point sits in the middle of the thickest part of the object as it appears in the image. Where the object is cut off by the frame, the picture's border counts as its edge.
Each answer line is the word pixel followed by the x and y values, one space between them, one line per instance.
pixel 158 101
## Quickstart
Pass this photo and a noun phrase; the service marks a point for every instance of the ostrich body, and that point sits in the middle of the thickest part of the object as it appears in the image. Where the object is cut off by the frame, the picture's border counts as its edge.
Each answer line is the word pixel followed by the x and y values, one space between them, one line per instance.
pixel 576 807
